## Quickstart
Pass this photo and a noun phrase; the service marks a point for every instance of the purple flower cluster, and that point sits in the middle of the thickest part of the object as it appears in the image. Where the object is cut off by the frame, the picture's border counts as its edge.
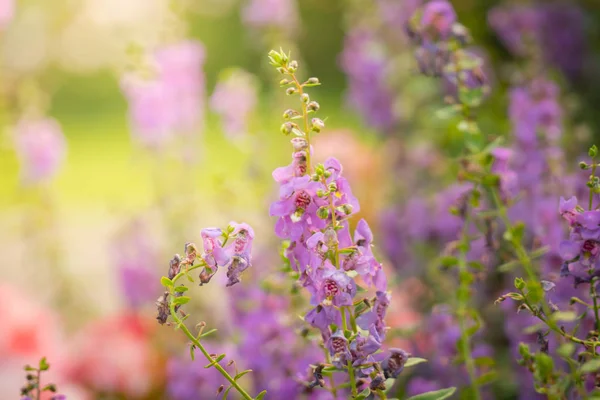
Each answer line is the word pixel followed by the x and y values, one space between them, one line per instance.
pixel 365 62
pixel 171 102
pixel 263 14
pixel 582 250
pixel 525 29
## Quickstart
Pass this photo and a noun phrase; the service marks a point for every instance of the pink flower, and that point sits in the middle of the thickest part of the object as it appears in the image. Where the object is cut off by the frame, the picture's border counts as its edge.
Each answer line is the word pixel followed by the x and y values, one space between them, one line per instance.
pixel 7 12
pixel 41 148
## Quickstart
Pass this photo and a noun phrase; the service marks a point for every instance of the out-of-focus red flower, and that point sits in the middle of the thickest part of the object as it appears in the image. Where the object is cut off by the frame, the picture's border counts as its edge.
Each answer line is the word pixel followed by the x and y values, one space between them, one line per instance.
pixel 114 355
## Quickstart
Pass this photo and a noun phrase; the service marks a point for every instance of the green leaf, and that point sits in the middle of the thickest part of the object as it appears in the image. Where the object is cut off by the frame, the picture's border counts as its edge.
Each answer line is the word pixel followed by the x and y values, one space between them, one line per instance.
pixel 486 378
pixel 29 368
pixel 435 395
pixel 363 395
pixel 412 361
pixel 166 282
pixel 591 366
pixel 215 361
pixel 238 376
pixel 44 366
pixel 448 261
pixel 565 316
pixel 261 395
pixel 181 300
pixel 566 349
pixel 181 289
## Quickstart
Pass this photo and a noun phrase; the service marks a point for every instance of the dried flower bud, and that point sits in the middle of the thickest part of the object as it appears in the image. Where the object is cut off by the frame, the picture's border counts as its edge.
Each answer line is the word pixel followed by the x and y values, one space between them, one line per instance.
pixel 162 305
pixel 191 252
pixel 174 266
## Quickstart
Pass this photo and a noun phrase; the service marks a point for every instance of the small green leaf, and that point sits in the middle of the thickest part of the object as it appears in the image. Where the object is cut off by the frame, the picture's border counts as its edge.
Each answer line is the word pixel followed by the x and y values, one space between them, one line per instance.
pixel 412 361
pixel 181 289
pixel 238 376
pixel 166 282
pixel 448 261
pixel 591 366
pixel 207 333
pixel 261 395
pixel 435 395
pixel 486 378
pixel 44 366
pixel 29 368
pixel 566 349
pixel 363 395
pixel 180 300
pixel 566 316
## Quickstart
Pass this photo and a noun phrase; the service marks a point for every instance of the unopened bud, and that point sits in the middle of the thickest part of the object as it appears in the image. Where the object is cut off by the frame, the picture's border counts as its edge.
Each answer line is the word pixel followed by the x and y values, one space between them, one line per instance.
pixel 290 113
pixel 299 144
pixel 313 81
pixel 284 82
pixel 290 91
pixel 293 65
pixel 323 212
pixel 317 124
pixel 583 165
pixel 220 389
pixel 287 128
pixel 330 238
pixel 305 98
pixel 313 106
pixel 346 209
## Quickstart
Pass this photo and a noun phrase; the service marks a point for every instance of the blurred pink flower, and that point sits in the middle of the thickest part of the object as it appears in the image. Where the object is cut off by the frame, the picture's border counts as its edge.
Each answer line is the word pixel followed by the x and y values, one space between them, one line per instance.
pixel 7 12
pixel 114 355
pixel 271 13
pixel 172 101
pixel 41 148
pixel 234 99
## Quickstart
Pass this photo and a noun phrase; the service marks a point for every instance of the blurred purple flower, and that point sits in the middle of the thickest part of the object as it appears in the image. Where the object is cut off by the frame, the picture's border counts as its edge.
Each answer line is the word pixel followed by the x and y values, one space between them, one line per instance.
pixel 282 14
pixel 234 100
pixel 170 102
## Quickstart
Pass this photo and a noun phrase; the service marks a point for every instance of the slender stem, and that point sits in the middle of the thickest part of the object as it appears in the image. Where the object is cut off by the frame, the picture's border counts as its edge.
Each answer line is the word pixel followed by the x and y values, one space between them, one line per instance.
pixel 39 385
pixel 304 117
pixel 197 343
pixel 331 380
pixel 591 201
pixel 349 363
pixel 462 307
pixel 594 296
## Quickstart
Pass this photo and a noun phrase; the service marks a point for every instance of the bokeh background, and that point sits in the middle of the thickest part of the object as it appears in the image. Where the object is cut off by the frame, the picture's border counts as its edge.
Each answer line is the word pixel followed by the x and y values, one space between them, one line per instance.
pixel 95 198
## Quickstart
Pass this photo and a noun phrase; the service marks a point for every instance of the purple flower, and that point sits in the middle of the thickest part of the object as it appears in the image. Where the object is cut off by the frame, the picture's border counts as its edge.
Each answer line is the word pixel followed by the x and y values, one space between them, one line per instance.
pixel 567 209
pixel 338 348
pixel 322 316
pixel 437 20
pixel 41 148
pixel 334 286
pixel 213 255
pixel 376 317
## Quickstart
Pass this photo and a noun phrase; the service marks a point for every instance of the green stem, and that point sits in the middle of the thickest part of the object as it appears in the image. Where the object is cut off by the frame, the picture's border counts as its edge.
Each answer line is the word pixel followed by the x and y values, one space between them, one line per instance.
pixel 38 395
pixel 594 296
pixel 331 380
pixel 304 118
pixel 591 201
pixel 462 307
pixel 209 358
pixel 349 364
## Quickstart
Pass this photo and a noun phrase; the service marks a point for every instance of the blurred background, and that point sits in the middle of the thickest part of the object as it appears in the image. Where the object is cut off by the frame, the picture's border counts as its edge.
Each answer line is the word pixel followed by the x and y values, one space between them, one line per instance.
pixel 128 126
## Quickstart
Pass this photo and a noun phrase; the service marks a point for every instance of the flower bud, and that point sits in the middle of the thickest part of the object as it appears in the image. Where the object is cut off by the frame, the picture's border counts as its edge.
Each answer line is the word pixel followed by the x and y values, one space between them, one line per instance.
pixel 287 127
pixel 332 187
pixel 346 209
pixel 284 82
pixel 299 144
pixel 583 165
pixel 293 65
pixel 313 106
pixel 323 212
pixel 330 238
pixel 305 98
pixel 290 113
pixel 290 91
pixel 317 124
pixel 312 81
